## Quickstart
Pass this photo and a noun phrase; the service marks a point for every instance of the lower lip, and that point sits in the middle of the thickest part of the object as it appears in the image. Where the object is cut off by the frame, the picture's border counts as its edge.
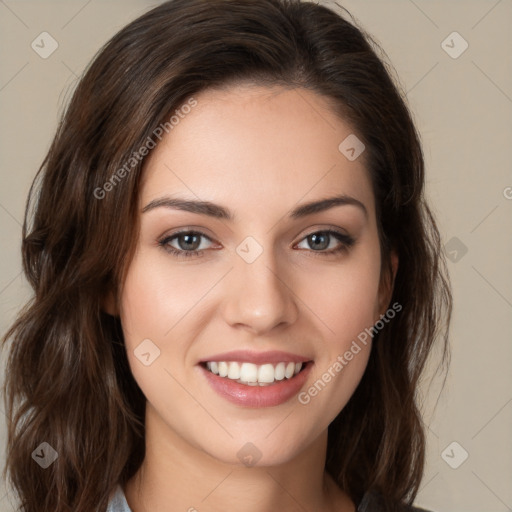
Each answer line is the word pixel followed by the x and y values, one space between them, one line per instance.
pixel 257 396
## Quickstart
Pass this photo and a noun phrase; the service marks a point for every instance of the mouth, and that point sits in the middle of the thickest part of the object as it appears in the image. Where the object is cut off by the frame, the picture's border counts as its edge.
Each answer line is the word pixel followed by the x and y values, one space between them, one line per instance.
pixel 251 374
pixel 256 380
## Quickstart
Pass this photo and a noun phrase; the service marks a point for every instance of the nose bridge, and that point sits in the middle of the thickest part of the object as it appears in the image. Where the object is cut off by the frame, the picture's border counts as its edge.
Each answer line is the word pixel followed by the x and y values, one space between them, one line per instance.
pixel 258 296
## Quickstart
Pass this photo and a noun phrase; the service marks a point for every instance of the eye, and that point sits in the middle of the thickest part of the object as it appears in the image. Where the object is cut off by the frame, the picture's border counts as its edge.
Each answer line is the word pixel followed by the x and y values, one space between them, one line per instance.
pixel 187 243
pixel 328 239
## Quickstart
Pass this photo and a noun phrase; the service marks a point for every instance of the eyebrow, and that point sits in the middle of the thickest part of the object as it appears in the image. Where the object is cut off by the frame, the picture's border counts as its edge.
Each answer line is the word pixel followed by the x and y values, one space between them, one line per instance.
pixel 220 212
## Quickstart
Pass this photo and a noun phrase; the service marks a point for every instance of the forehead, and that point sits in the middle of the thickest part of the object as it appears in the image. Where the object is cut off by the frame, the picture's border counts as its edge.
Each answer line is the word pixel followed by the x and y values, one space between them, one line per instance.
pixel 256 147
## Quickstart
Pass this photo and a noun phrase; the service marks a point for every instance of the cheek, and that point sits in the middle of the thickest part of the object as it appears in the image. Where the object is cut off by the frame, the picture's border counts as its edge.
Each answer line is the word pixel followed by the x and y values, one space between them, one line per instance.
pixel 347 308
pixel 157 296
pixel 333 384
pixel 345 298
pixel 162 303
pixel 152 302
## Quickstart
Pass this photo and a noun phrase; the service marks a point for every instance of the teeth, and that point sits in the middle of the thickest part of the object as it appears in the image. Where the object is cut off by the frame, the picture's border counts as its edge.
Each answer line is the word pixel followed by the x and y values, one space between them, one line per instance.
pixel 248 372
pixel 290 369
pixel 252 374
pixel 234 371
pixel 279 371
pixel 223 369
pixel 266 373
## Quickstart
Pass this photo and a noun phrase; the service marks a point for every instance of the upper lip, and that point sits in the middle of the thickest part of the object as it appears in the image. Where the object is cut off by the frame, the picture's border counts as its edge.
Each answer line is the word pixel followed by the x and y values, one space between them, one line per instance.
pixel 273 356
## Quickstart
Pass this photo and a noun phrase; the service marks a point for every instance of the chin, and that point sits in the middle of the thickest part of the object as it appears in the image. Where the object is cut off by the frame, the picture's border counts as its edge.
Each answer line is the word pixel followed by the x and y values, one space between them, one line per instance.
pixel 256 453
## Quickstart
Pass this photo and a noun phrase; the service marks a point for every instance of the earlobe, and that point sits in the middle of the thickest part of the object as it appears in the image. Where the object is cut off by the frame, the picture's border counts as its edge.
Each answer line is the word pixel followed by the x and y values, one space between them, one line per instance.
pixel 388 282
pixel 394 269
pixel 108 304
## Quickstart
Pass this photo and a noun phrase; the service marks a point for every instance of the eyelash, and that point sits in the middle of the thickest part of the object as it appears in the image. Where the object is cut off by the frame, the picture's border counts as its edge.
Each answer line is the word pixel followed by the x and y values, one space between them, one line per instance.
pixel 346 242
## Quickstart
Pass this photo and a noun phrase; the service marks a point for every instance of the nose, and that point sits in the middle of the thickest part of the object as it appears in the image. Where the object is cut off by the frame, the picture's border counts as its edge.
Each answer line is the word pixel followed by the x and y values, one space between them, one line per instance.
pixel 259 296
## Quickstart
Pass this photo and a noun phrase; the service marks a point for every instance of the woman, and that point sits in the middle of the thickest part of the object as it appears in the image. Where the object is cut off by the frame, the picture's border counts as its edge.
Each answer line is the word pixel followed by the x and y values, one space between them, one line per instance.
pixel 237 278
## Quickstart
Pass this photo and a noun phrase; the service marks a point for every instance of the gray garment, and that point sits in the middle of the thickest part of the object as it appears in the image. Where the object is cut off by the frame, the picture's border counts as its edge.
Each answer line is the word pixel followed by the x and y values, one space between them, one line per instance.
pixel 118 502
pixel 369 503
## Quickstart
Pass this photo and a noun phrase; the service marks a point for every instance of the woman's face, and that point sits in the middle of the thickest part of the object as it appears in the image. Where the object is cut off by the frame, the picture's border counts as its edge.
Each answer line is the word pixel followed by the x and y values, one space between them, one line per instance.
pixel 269 287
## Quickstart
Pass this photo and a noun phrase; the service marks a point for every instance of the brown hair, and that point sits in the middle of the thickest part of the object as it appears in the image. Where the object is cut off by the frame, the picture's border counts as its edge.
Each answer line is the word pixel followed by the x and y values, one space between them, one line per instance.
pixel 68 382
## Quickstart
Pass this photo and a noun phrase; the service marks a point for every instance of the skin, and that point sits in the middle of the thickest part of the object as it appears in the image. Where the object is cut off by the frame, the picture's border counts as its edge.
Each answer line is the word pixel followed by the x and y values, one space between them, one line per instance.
pixel 259 152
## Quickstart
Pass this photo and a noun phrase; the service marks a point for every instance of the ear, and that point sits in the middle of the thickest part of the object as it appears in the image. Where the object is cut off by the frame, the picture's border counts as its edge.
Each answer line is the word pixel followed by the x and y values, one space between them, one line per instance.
pixel 108 304
pixel 387 283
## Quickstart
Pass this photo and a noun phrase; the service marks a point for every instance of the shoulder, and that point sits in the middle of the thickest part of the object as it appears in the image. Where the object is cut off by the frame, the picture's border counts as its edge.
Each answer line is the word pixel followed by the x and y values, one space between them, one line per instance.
pixel 372 501
pixel 118 501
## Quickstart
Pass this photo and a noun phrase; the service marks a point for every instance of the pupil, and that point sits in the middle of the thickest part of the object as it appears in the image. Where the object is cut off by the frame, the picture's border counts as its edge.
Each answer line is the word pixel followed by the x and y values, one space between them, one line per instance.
pixel 190 239
pixel 315 238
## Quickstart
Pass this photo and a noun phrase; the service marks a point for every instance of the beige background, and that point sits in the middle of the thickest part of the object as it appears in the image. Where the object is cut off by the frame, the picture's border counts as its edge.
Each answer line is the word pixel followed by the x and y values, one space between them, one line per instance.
pixel 463 108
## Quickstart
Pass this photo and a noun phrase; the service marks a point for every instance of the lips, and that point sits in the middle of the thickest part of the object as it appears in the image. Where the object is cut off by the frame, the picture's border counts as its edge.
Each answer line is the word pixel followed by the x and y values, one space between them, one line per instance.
pixel 252 379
